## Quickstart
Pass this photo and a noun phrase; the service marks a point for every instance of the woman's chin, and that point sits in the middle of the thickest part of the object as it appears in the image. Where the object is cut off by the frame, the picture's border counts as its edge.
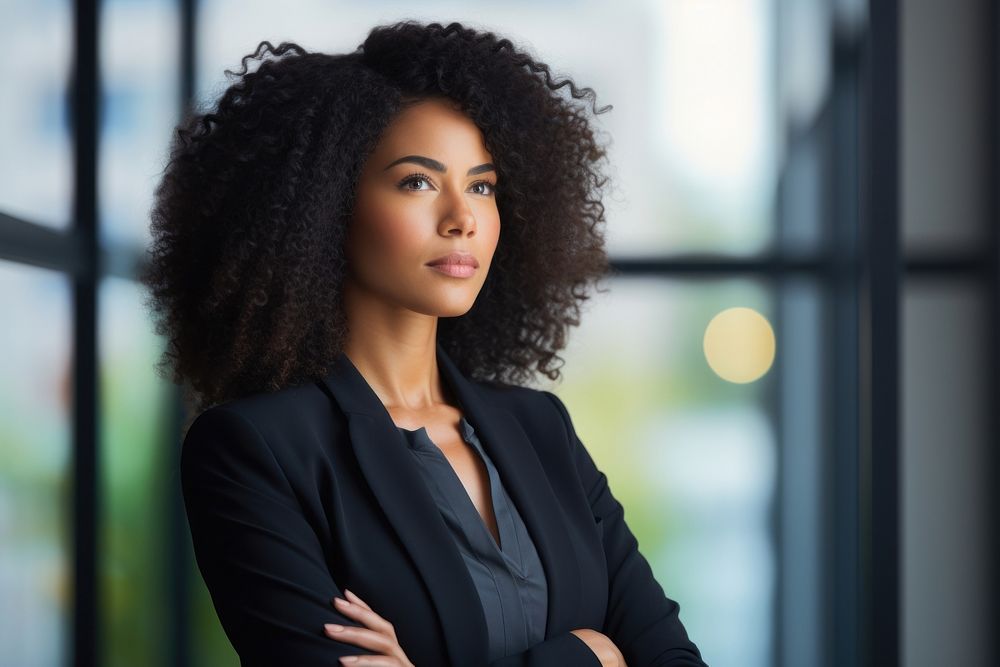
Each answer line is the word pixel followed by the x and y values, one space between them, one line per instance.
pixel 449 306
pixel 454 310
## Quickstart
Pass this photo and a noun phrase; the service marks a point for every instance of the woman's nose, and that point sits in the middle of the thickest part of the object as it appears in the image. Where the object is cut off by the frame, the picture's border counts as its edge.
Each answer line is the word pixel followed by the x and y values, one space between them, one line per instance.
pixel 459 214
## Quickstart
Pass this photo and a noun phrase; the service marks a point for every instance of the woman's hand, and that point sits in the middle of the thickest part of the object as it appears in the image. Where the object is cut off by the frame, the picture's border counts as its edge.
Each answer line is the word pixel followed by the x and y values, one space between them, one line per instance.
pixel 378 635
pixel 602 646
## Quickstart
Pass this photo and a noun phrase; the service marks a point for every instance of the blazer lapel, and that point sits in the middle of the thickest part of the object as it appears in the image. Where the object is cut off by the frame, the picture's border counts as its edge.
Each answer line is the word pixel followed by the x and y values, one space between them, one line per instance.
pixel 407 503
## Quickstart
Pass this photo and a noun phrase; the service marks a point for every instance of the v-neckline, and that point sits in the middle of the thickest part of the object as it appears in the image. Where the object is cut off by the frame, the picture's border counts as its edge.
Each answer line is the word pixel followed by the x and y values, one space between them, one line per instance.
pixel 466 429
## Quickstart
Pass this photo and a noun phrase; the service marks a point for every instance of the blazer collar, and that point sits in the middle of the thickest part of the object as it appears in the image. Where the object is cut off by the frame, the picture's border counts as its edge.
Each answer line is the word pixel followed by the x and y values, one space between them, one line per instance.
pixel 404 498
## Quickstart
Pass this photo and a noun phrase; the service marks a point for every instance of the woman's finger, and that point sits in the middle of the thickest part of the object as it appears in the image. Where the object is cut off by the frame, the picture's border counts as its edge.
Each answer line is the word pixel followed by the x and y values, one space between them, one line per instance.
pixel 365 615
pixel 355 599
pixel 372 661
pixel 363 637
pixel 379 635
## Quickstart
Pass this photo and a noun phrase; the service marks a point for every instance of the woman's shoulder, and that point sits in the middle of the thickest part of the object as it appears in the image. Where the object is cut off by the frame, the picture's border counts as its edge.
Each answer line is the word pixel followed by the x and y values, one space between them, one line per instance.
pixel 274 440
pixel 523 397
pixel 271 415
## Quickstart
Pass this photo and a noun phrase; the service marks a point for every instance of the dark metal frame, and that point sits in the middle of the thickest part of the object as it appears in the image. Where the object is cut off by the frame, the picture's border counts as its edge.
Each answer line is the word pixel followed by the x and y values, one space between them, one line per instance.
pixel 182 563
pixel 864 589
pixel 993 278
pixel 882 282
pixel 84 100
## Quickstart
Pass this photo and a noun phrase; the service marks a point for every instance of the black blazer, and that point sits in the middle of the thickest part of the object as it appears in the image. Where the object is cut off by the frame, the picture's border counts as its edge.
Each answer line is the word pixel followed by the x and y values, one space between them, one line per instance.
pixel 294 495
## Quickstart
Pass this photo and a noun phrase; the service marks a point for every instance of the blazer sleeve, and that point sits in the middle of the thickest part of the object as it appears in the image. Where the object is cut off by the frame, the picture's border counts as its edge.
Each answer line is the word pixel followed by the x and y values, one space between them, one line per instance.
pixel 564 649
pixel 641 620
pixel 262 562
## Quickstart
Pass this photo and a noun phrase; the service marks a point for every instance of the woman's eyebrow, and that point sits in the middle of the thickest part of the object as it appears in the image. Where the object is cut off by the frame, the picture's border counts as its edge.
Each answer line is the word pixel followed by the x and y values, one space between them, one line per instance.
pixel 437 166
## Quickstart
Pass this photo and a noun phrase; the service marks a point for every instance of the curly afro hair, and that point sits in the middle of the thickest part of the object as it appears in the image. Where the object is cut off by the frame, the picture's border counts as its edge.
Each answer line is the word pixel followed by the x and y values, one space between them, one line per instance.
pixel 249 220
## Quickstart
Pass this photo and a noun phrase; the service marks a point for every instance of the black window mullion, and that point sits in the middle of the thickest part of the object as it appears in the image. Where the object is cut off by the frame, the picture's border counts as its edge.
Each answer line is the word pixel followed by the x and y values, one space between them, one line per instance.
pixel 843 536
pixel 182 565
pixel 994 351
pixel 84 104
pixel 882 267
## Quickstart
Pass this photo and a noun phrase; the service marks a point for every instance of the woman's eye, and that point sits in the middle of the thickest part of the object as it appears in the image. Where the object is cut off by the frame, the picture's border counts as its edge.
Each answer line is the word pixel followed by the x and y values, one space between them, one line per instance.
pixel 491 189
pixel 413 179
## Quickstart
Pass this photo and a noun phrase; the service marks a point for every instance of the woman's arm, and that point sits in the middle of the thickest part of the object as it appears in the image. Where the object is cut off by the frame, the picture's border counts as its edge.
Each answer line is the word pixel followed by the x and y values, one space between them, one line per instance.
pixel 642 621
pixel 262 562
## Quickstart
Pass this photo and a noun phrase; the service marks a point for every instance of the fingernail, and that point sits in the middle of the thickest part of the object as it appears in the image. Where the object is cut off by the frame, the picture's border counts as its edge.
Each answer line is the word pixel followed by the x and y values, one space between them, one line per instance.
pixel 350 658
pixel 333 627
pixel 342 601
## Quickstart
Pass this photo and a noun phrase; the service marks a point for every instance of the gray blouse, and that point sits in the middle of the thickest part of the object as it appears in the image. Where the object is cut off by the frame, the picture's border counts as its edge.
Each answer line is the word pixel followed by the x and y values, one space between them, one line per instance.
pixel 509 578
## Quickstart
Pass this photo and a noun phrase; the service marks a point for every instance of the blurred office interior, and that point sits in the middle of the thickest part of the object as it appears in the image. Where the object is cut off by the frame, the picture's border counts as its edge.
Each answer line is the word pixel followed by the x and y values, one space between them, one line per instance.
pixel 792 383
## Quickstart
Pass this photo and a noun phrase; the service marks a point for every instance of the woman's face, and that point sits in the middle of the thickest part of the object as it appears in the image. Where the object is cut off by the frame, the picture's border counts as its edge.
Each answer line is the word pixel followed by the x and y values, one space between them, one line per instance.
pixel 427 190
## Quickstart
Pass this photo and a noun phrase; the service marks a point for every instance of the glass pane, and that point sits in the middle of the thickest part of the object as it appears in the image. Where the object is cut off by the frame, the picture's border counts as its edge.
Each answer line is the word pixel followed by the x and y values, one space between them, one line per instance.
pixel 804 491
pixel 713 129
pixel 692 130
pixel 947 69
pixel 804 194
pixel 808 165
pixel 140 69
pixel 946 482
pixel 36 566
pixel 138 484
pixel 691 456
pixel 36 171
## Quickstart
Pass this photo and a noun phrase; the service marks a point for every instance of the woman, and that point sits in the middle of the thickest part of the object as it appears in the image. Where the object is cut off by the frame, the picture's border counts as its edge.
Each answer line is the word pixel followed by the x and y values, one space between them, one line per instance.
pixel 358 261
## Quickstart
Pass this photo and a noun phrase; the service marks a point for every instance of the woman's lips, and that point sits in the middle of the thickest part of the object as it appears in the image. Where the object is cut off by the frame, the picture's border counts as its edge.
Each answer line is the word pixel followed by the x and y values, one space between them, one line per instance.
pixel 454 270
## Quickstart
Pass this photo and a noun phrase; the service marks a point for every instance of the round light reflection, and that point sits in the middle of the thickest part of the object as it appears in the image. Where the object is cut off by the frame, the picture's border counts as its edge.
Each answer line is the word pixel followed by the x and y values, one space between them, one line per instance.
pixel 739 344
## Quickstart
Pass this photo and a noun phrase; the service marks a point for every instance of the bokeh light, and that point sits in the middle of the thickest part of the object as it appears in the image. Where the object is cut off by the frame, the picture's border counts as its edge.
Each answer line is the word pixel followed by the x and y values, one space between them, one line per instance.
pixel 739 344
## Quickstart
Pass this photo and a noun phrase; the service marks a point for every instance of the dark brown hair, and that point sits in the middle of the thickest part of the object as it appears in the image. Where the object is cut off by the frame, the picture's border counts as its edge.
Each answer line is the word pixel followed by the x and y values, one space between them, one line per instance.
pixel 247 264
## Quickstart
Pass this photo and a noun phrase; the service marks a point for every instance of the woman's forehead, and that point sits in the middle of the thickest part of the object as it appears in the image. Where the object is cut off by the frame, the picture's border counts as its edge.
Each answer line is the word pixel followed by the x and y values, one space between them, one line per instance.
pixel 434 129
